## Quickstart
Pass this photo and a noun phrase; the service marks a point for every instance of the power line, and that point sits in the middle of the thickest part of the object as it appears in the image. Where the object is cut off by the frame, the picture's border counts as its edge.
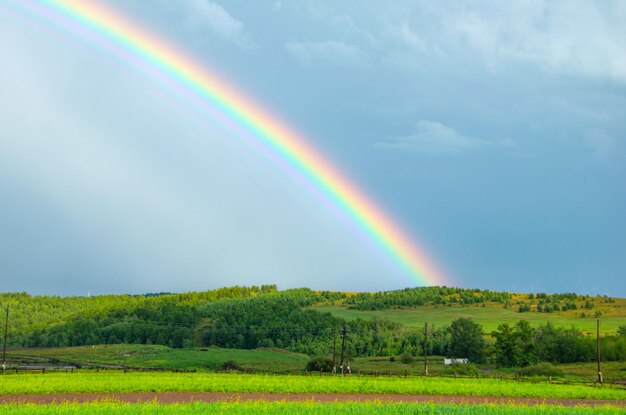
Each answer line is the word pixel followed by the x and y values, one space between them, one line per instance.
pixel 426 349
pixel 334 349
pixel 598 351
pixel 344 333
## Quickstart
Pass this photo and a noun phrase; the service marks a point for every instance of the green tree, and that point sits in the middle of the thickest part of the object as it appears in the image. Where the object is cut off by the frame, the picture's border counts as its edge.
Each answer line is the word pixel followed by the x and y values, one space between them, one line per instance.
pixel 515 346
pixel 466 340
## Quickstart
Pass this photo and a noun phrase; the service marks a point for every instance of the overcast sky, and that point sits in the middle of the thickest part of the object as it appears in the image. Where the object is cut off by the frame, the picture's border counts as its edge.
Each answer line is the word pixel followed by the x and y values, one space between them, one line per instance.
pixel 493 132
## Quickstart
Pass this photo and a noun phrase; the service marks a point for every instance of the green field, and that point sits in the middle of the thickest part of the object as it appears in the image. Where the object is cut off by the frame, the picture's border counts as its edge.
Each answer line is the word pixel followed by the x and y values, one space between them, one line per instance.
pixel 489 316
pixel 163 357
pixel 305 408
pixel 104 382
pixel 136 356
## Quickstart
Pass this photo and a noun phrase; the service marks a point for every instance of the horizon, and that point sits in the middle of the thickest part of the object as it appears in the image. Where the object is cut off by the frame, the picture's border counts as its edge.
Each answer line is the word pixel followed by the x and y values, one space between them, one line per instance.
pixel 278 288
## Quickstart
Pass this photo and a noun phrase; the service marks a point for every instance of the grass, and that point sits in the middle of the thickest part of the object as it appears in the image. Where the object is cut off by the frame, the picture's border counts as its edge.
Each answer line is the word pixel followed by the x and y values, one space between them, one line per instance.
pixel 490 316
pixel 163 357
pixel 586 371
pixel 304 408
pixel 241 383
pixel 265 360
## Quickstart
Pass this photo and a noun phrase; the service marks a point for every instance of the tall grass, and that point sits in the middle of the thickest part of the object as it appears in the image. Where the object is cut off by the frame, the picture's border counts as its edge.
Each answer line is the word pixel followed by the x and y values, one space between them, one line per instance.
pixel 303 408
pixel 211 382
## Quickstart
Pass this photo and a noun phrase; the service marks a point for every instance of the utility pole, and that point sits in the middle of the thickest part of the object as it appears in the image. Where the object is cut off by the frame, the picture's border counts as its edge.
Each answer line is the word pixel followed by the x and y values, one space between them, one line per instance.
pixel 343 345
pixel 4 347
pixel 334 349
pixel 598 350
pixel 426 349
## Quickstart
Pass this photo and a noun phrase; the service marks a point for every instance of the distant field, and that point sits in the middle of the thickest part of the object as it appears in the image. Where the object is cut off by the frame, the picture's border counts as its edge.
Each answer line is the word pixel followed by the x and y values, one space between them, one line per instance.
pixel 264 360
pixel 104 382
pixel 163 357
pixel 305 408
pixel 489 316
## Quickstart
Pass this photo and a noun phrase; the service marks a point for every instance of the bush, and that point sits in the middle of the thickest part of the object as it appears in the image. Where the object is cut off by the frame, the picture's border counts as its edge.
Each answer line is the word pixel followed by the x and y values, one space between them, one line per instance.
pixel 317 364
pixel 461 369
pixel 230 365
pixel 541 369
pixel 406 358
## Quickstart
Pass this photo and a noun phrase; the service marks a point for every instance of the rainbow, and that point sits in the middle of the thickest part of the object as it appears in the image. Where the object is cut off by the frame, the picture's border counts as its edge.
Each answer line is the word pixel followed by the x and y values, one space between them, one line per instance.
pixel 168 62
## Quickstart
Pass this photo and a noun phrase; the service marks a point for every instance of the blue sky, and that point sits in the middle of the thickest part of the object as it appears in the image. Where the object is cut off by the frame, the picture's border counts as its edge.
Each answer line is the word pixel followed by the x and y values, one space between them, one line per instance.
pixel 494 133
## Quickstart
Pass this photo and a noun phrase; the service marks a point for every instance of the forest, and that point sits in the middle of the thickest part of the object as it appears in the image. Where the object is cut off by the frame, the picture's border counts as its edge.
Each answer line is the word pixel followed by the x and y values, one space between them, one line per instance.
pixel 253 317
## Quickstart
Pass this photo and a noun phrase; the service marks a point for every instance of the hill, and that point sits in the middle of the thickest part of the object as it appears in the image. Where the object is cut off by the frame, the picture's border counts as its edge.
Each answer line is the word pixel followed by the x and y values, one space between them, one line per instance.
pixel 305 321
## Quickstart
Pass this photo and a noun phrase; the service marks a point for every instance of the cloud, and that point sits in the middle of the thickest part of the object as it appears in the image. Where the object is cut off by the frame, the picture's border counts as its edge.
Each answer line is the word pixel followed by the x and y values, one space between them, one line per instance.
pixel 205 13
pixel 436 139
pixel 336 52
pixel 574 38
pixel 564 38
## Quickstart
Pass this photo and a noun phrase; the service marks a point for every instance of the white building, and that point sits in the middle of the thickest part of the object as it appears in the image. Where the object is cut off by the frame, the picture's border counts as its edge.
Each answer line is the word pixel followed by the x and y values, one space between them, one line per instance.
pixel 455 361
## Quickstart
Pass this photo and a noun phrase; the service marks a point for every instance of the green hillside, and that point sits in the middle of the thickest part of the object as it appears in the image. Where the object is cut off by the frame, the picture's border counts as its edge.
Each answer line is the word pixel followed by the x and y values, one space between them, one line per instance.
pixel 490 316
pixel 200 330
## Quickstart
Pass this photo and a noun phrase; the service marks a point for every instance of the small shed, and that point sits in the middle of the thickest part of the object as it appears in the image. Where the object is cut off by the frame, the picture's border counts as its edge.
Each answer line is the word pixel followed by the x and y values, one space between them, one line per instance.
pixel 455 361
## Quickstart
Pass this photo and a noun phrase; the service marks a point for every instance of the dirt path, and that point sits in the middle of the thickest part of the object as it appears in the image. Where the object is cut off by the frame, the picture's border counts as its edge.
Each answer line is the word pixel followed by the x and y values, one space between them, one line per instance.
pixel 182 397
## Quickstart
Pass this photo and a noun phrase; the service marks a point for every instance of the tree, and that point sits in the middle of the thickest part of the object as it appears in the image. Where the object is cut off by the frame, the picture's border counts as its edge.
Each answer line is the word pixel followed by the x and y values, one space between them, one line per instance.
pixel 515 346
pixel 525 335
pixel 320 364
pixel 557 345
pixel 467 340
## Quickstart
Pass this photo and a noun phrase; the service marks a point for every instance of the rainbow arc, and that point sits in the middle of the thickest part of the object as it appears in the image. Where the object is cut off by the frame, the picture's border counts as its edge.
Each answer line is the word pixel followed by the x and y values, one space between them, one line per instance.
pixel 139 44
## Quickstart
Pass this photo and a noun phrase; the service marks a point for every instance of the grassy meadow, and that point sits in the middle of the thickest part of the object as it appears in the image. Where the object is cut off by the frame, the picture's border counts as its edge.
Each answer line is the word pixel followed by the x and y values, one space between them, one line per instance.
pixel 163 357
pixel 209 359
pixel 104 382
pixel 491 315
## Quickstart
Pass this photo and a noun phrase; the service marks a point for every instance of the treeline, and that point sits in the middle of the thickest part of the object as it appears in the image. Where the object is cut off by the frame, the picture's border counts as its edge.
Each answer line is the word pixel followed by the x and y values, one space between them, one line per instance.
pixel 53 317
pixel 411 297
pixel 168 324
pixel 283 321
pixel 521 345
pixel 279 320
pixel 239 318
pixel 549 303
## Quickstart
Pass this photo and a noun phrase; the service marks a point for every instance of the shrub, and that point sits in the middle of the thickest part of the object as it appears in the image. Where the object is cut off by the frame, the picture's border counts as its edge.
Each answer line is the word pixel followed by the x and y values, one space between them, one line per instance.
pixel 230 365
pixel 541 369
pixel 406 358
pixel 317 364
pixel 461 369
